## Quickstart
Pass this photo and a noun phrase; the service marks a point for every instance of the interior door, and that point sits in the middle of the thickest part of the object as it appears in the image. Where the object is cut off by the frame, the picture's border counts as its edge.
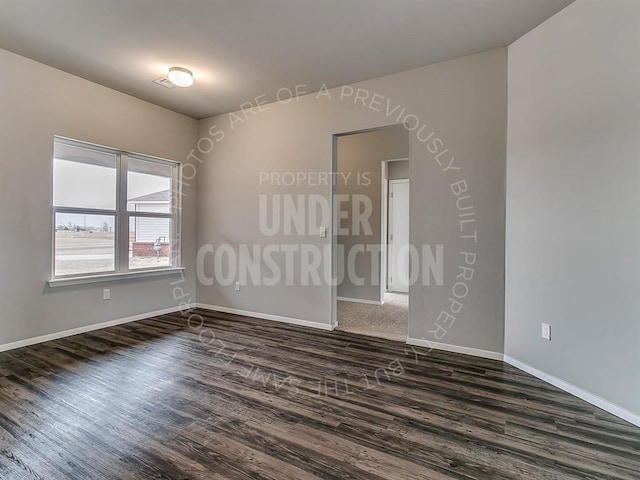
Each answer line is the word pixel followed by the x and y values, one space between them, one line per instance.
pixel 398 237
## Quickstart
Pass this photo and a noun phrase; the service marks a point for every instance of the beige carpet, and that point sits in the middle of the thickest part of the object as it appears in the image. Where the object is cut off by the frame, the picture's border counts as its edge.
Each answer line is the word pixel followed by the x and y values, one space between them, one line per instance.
pixel 389 320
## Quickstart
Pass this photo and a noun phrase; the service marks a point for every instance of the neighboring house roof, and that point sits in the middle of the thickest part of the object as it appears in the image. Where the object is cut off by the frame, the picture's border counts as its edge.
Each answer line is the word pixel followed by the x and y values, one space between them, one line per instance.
pixel 162 196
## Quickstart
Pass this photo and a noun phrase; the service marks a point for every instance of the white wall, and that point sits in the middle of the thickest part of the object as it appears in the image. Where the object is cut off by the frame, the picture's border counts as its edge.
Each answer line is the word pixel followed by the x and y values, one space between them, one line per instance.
pixel 36 103
pixel 463 102
pixel 573 190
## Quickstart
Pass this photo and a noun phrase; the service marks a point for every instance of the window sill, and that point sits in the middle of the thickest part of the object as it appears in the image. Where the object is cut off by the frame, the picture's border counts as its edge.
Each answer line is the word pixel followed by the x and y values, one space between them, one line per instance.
pixel 112 277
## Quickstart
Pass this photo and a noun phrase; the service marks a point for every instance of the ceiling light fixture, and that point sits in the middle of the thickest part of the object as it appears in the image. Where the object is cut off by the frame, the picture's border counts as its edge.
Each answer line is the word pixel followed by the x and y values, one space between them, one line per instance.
pixel 180 77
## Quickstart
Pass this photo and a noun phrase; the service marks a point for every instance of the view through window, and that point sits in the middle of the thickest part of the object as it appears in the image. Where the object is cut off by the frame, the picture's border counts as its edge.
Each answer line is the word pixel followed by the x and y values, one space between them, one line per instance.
pixel 114 212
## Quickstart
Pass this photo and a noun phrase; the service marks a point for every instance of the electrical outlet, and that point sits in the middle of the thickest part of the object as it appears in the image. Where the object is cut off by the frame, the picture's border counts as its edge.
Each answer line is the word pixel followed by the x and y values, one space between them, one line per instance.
pixel 106 294
pixel 237 286
pixel 323 232
pixel 546 331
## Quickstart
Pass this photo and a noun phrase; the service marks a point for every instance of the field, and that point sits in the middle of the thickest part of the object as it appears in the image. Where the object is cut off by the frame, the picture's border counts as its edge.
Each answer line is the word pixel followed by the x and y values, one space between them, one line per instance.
pixel 85 252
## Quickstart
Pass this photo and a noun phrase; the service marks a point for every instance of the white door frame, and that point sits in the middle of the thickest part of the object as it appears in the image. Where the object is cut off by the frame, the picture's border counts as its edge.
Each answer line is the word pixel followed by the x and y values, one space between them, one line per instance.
pixel 384 224
pixel 387 257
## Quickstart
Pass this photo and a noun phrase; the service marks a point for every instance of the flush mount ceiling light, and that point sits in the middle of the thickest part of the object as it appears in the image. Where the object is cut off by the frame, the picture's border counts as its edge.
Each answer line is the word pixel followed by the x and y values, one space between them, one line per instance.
pixel 180 77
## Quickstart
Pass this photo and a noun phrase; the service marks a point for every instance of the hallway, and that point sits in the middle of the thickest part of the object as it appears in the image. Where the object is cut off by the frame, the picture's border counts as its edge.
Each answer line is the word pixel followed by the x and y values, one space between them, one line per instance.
pixel 389 320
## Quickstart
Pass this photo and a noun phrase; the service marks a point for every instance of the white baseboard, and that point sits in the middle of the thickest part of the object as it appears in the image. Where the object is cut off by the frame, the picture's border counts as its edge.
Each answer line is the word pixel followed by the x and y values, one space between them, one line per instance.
pixel 476 352
pixel 605 405
pixel 88 328
pixel 266 316
pixel 359 300
pixel 561 384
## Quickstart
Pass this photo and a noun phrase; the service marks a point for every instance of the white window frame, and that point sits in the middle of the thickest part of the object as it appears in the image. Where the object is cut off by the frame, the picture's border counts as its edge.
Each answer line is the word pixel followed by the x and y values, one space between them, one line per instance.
pixel 122 216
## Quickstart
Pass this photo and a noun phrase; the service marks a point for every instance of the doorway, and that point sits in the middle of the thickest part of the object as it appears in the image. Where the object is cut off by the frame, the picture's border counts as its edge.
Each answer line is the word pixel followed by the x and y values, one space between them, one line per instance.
pixel 371 225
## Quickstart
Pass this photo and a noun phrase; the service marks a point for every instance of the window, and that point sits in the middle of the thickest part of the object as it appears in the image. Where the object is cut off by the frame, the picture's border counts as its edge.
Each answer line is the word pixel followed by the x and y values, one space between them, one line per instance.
pixel 113 212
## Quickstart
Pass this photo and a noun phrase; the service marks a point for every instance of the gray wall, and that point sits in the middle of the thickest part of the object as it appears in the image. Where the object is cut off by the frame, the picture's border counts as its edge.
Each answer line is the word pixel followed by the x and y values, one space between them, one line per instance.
pixel 359 154
pixel 398 170
pixel 463 102
pixel 573 187
pixel 38 102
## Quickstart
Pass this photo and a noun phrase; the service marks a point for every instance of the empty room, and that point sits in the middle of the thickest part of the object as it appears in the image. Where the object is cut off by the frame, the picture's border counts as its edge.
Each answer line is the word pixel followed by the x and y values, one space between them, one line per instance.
pixel 331 239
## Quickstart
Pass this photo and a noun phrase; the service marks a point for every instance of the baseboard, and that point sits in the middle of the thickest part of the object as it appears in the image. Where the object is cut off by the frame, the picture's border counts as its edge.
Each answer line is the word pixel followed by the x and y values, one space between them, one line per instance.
pixel 266 316
pixel 88 328
pixel 599 402
pixel 359 300
pixel 476 352
pixel 588 397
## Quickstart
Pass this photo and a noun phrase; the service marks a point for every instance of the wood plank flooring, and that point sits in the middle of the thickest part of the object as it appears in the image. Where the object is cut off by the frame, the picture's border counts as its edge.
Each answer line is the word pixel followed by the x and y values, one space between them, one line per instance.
pixel 230 397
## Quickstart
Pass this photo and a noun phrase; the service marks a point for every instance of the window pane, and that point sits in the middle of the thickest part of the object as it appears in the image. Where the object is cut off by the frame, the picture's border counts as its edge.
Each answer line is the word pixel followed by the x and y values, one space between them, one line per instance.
pixel 84 244
pixel 149 186
pixel 83 178
pixel 149 242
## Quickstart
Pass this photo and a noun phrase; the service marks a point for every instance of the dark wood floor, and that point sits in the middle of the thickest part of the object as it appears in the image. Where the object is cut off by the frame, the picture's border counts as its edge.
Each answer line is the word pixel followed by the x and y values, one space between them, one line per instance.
pixel 164 400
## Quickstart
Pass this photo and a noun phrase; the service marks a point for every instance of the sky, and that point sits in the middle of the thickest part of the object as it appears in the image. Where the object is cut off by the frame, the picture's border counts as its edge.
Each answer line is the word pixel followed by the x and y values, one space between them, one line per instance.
pixel 91 186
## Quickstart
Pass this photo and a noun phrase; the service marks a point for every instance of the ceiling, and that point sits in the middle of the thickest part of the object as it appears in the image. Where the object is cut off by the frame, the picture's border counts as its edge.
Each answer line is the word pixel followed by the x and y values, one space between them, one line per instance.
pixel 242 49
